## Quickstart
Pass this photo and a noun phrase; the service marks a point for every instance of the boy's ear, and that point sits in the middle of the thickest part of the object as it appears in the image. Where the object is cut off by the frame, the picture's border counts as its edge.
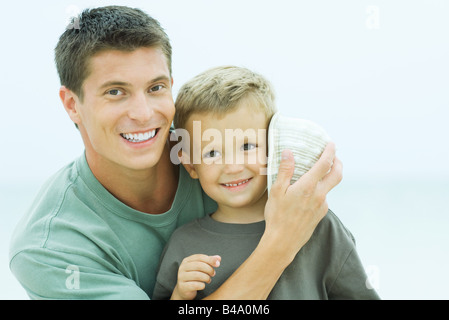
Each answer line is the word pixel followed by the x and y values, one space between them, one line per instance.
pixel 184 157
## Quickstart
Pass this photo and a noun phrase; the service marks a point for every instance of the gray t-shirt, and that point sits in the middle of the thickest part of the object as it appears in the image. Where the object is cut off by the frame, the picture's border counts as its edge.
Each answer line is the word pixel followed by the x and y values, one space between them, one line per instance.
pixel 327 267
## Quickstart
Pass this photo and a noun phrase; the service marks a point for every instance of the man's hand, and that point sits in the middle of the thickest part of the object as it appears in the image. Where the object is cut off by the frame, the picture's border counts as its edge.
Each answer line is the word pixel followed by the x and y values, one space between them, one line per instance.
pixel 293 211
pixel 193 274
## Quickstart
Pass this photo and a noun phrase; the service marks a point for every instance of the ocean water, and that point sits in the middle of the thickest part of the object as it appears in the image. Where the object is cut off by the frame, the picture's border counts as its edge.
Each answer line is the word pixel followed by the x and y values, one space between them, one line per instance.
pixel 400 225
pixel 401 228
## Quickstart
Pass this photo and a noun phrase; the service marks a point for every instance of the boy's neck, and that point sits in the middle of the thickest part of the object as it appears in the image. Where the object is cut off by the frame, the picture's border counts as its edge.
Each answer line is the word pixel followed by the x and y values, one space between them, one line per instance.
pixel 242 215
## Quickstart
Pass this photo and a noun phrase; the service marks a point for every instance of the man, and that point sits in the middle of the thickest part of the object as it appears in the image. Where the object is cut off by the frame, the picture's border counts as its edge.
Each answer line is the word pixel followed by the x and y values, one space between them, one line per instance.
pixel 98 226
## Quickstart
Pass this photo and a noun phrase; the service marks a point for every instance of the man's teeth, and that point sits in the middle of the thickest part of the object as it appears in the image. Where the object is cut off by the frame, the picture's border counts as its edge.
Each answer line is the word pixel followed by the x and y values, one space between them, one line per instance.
pixel 236 184
pixel 139 137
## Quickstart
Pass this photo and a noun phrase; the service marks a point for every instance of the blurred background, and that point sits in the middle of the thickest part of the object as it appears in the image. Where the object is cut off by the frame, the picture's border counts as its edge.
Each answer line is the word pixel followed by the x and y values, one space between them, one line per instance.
pixel 374 73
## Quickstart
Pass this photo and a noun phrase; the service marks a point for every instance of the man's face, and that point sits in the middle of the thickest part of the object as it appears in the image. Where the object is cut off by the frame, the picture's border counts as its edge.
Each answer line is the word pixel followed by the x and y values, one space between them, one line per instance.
pixel 127 108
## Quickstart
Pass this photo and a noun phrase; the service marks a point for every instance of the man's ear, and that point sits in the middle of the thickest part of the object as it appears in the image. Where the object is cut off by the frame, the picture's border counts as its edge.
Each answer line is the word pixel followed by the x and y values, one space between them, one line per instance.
pixel 69 100
pixel 184 157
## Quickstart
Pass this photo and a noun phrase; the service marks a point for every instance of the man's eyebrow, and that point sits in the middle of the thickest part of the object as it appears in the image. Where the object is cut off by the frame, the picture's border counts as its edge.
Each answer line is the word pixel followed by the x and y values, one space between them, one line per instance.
pixel 160 78
pixel 113 83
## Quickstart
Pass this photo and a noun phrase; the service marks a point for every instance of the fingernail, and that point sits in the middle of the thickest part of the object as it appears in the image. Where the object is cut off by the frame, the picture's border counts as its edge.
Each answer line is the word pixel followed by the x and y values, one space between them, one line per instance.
pixel 217 262
pixel 286 154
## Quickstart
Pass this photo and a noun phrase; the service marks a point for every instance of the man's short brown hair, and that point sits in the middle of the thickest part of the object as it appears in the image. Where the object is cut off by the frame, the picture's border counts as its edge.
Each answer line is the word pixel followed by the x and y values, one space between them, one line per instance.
pixel 105 28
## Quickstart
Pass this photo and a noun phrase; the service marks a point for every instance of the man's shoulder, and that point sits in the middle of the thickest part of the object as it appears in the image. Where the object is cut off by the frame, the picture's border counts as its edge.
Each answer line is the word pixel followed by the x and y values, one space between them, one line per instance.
pixel 58 194
pixel 53 189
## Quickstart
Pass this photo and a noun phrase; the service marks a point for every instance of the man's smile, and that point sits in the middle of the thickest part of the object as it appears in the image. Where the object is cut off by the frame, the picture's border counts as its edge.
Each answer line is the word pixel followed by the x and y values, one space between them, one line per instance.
pixel 139 137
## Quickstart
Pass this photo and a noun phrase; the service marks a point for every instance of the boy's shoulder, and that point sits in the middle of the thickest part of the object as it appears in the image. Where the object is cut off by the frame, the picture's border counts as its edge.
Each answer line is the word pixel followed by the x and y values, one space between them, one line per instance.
pixel 331 223
pixel 331 236
pixel 188 230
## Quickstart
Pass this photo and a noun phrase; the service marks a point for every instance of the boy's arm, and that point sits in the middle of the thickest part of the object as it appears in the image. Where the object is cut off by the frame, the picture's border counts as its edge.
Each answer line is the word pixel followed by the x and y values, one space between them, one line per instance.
pixel 292 213
pixel 193 274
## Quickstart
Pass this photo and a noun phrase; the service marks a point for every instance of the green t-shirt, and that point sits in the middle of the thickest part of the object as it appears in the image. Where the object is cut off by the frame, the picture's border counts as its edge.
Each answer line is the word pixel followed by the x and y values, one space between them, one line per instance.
pixel 327 267
pixel 77 241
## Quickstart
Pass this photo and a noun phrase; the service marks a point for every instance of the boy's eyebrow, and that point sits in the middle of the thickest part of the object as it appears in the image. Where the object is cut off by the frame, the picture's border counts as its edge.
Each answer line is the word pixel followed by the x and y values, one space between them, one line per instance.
pixel 113 83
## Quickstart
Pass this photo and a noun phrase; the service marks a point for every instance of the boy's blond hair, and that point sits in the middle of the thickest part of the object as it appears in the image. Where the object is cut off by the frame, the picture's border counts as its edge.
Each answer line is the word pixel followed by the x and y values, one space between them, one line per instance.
pixel 219 90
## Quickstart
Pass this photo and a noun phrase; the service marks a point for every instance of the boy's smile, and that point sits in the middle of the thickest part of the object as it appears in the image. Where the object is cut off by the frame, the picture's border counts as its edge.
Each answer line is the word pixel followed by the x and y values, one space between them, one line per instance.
pixel 233 185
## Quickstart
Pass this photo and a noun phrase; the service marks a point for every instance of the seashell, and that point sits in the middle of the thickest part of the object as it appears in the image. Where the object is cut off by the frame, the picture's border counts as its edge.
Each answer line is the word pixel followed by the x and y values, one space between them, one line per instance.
pixel 304 138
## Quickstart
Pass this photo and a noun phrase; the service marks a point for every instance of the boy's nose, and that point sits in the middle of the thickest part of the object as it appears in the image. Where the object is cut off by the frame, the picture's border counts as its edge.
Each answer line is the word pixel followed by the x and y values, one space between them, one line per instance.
pixel 233 168
pixel 234 162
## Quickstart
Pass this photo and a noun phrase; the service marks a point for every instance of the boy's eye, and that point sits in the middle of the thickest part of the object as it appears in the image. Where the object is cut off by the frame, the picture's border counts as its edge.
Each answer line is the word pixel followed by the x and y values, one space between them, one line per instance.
pixel 248 146
pixel 211 154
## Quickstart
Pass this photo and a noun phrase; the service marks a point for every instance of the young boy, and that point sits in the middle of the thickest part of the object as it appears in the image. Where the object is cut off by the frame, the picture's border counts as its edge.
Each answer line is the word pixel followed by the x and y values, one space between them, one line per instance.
pixel 230 107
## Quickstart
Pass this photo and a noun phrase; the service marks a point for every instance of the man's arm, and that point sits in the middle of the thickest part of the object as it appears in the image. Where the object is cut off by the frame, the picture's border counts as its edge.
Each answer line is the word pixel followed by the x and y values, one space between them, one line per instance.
pixel 50 274
pixel 292 213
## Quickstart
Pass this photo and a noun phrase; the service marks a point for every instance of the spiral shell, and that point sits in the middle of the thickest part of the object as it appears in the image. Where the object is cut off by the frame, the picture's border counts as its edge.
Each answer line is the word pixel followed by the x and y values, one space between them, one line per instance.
pixel 304 138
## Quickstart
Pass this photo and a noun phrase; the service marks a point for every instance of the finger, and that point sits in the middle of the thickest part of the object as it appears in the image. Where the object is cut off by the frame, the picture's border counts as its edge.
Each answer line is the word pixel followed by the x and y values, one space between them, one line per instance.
pixel 198 266
pixel 285 172
pixel 334 177
pixel 195 276
pixel 201 262
pixel 213 261
pixel 322 166
pixel 193 286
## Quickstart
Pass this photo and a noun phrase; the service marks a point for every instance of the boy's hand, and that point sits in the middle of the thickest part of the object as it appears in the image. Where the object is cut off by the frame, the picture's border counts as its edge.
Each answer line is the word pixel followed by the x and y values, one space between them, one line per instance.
pixel 293 211
pixel 193 274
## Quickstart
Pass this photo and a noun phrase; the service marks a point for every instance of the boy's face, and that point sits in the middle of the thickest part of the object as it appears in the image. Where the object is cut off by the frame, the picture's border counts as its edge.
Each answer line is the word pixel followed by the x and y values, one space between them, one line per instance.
pixel 127 109
pixel 229 158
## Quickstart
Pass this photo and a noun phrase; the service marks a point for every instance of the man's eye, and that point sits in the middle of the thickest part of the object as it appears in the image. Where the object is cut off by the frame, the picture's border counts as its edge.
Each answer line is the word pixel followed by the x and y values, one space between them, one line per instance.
pixel 156 88
pixel 115 92
pixel 248 146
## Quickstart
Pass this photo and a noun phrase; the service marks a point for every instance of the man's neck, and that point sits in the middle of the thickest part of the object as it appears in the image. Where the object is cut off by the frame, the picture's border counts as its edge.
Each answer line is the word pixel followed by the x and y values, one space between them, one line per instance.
pixel 151 191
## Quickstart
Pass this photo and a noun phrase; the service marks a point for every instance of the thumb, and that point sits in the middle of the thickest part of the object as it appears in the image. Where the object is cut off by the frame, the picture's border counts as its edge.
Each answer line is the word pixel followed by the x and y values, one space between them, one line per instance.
pixel 286 170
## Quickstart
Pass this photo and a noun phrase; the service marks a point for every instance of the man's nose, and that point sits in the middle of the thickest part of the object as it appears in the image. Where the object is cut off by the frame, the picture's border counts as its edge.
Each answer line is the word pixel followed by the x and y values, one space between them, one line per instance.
pixel 140 108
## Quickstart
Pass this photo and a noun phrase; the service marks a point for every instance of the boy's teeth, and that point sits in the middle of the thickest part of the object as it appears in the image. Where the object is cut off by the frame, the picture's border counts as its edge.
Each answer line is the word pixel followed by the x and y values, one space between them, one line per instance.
pixel 139 137
pixel 235 184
